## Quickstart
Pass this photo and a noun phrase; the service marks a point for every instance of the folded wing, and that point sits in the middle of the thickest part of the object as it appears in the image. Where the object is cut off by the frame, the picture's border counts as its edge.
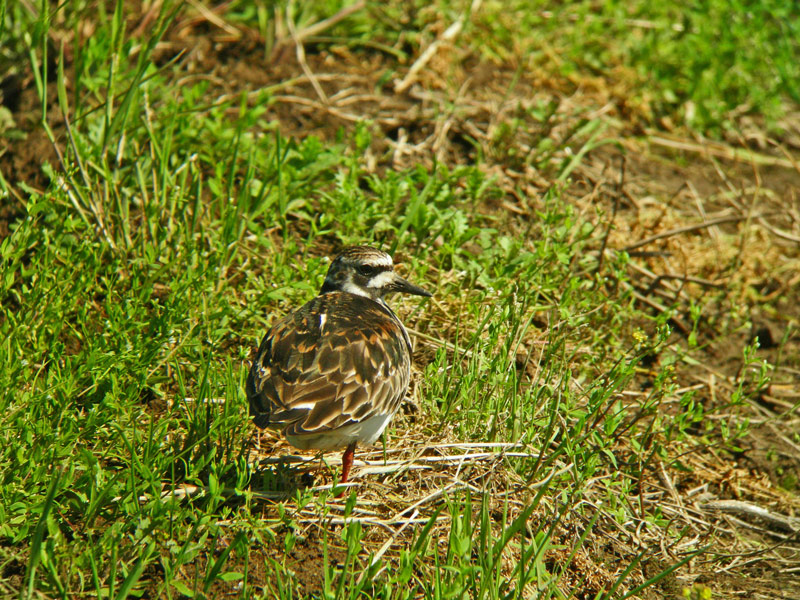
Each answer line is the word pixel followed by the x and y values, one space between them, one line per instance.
pixel 336 361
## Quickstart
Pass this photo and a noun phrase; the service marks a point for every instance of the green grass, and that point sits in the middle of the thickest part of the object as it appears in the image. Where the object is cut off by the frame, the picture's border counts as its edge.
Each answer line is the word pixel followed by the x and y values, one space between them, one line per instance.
pixel 178 227
pixel 701 65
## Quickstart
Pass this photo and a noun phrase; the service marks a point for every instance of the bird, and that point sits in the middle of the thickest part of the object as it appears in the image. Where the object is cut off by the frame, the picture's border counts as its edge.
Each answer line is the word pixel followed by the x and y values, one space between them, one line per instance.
pixel 333 373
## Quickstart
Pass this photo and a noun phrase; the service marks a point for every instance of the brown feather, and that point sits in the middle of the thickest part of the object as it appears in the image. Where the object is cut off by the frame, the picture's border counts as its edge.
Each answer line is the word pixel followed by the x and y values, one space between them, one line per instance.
pixel 334 369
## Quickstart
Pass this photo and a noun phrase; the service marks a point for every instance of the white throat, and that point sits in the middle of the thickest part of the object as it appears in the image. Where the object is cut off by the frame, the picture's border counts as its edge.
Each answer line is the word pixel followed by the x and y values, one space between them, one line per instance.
pixel 352 288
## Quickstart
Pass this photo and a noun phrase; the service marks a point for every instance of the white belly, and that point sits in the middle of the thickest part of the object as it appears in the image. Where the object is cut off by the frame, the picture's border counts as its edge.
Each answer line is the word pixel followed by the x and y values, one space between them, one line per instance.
pixel 363 432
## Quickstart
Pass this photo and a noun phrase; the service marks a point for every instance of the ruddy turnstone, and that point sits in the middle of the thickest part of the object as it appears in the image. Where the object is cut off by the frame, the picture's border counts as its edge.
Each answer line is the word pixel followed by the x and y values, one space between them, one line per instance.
pixel 333 373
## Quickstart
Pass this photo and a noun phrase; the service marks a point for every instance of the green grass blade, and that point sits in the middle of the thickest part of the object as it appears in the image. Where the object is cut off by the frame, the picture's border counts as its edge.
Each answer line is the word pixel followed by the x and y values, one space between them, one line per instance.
pixel 38 534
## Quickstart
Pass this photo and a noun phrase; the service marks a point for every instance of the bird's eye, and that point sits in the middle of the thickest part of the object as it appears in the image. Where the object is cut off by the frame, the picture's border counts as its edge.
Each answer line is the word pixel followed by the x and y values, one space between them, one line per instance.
pixel 366 270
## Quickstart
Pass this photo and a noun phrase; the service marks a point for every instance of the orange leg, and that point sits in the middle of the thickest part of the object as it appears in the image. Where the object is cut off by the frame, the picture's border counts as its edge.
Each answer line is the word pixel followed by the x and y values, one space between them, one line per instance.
pixel 347 462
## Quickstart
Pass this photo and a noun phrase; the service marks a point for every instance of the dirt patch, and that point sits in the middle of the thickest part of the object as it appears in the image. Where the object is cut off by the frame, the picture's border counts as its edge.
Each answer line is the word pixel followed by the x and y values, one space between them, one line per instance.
pixel 9 213
pixel 26 149
pixel 22 161
pixel 769 450
pixel 12 574
pixel 305 562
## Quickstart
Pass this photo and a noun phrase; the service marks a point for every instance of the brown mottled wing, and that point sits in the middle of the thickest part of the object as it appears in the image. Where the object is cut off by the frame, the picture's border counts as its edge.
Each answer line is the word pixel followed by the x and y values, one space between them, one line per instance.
pixel 308 379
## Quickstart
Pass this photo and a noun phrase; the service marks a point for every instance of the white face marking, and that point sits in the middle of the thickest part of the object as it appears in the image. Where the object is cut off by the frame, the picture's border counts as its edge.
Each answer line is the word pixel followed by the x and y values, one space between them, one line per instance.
pixel 322 318
pixel 381 280
pixel 351 287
